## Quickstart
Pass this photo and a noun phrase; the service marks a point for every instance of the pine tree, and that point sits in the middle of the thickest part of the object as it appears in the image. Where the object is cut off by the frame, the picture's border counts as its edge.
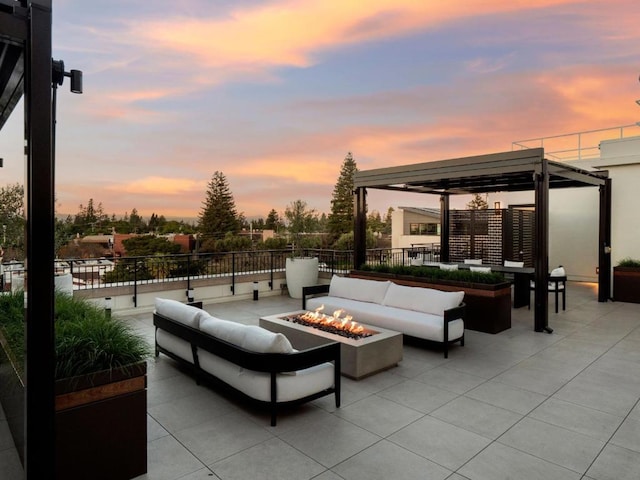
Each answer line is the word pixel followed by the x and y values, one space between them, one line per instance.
pixel 273 221
pixel 218 216
pixel 341 218
pixel 477 203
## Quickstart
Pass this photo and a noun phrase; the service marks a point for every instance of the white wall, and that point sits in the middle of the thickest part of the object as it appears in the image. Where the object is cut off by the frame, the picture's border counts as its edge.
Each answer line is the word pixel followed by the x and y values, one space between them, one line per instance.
pixel 622 159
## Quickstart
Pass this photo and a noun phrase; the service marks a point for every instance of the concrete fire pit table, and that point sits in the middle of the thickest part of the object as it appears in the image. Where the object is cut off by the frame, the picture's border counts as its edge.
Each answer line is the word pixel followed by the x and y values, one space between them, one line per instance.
pixel 359 357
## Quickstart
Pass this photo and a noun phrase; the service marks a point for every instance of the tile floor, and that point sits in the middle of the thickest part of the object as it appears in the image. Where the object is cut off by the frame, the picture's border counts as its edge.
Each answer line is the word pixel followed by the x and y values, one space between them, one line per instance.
pixel 519 404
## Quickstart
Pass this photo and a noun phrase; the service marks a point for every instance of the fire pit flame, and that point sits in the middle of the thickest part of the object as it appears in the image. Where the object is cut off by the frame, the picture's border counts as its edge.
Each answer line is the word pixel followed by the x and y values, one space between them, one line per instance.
pixel 339 323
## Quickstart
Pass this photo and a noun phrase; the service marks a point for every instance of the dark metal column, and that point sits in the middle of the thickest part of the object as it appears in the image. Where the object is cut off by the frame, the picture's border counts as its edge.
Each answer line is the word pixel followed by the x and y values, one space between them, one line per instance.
pixel 541 260
pixel 444 227
pixel 604 244
pixel 39 191
pixel 360 228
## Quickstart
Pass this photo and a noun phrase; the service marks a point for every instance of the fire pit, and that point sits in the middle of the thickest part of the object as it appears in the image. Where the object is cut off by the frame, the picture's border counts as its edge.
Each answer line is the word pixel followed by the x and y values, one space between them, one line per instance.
pixel 362 354
pixel 339 323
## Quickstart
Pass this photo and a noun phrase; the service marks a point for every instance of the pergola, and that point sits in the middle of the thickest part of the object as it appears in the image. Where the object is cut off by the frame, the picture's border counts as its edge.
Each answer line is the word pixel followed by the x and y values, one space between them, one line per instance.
pixel 522 170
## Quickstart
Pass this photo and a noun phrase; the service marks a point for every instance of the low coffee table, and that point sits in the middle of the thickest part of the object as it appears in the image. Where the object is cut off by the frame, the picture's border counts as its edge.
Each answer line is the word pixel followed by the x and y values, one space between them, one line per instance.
pixel 359 358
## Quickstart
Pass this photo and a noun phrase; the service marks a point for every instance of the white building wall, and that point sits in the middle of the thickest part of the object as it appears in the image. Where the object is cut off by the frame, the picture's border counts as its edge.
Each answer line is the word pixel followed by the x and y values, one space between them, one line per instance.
pixel 574 212
pixel 399 239
pixel 622 159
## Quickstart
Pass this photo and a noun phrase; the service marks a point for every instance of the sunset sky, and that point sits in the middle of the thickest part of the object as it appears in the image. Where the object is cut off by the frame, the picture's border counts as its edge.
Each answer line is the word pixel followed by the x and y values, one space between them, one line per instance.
pixel 275 93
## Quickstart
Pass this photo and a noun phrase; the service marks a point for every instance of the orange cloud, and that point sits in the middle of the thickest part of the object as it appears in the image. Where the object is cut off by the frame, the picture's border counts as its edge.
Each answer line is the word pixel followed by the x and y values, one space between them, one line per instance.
pixel 290 32
pixel 159 185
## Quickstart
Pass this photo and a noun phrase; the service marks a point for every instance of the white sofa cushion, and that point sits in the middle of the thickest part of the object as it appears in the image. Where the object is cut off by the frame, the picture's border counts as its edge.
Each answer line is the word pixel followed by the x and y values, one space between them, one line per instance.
pixel 480 269
pixel 180 312
pixel 509 263
pixel 258 384
pixel 558 272
pixel 473 261
pixel 372 291
pixel 421 299
pixel 409 322
pixel 175 345
pixel 249 337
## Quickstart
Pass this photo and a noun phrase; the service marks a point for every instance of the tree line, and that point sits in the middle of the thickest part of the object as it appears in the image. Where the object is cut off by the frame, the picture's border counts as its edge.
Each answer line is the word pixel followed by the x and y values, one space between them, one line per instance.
pixel 219 227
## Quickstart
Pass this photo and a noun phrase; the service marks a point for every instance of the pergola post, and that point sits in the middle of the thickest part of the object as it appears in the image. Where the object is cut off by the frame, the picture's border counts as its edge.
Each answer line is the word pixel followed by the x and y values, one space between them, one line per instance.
pixel 444 228
pixel 360 227
pixel 541 262
pixel 40 358
pixel 604 244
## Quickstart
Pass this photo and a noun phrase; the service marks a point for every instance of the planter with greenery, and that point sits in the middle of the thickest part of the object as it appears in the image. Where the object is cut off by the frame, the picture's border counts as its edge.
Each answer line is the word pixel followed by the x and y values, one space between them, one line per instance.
pixel 626 281
pixel 486 295
pixel 100 388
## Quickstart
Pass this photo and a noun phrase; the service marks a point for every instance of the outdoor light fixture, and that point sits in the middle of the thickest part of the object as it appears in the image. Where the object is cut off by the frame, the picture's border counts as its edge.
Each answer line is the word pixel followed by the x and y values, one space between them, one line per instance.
pixel 496 205
pixel 108 306
pixel 58 74
pixel 255 290
pixel 190 294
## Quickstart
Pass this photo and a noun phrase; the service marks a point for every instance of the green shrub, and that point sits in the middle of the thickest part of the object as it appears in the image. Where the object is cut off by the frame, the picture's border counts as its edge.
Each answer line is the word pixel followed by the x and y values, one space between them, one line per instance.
pixel 86 341
pixel 433 273
pixel 629 262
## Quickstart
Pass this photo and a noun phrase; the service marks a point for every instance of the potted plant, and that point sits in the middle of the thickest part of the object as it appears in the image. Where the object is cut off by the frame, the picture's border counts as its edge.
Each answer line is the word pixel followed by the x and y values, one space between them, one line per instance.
pixel 100 388
pixel 300 270
pixel 626 281
pixel 487 295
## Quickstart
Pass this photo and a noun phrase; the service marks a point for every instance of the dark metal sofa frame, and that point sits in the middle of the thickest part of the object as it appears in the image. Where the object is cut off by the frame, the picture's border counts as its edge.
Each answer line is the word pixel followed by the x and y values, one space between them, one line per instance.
pixel 449 316
pixel 272 363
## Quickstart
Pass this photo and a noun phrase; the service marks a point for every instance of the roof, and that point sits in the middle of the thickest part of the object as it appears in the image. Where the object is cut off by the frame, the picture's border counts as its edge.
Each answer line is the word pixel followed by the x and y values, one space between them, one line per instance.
pixel 498 172
pixel 432 212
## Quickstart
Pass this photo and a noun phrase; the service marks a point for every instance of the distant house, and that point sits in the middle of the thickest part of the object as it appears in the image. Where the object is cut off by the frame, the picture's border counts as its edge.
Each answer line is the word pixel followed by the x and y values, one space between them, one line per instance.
pixel 414 226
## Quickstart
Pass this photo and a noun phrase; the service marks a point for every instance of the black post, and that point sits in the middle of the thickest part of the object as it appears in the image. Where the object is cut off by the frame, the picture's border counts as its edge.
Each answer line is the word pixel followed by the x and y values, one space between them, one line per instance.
pixel 40 175
pixel 444 227
pixel 604 248
pixel 360 227
pixel 541 261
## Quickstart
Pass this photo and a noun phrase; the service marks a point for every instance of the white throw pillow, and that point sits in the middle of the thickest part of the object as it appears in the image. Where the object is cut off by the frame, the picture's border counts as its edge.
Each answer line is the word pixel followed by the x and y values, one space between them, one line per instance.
pixel 445 266
pixel 473 261
pixel 372 291
pixel 420 299
pixel 180 312
pixel 558 272
pixel 480 269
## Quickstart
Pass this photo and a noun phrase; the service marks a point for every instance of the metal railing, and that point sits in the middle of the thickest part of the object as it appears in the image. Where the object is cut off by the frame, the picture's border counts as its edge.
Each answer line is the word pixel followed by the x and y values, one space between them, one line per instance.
pixel 90 274
pixel 579 145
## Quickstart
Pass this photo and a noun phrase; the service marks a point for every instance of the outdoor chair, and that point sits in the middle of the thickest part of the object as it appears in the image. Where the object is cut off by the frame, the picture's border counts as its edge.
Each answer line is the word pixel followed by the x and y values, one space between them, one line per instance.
pixel 557 284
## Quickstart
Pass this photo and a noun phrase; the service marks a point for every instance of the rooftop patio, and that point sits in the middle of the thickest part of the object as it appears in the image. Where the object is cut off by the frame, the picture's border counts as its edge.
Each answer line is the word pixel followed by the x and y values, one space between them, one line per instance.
pixel 518 404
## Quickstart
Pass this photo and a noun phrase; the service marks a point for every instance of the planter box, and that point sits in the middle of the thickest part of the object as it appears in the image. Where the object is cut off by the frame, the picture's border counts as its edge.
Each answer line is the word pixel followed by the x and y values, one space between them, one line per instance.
pixel 101 425
pixel 626 284
pixel 488 306
pixel 101 422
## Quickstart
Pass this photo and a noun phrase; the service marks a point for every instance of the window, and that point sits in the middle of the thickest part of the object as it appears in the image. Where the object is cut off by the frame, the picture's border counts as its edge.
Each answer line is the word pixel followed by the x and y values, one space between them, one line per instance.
pixel 424 229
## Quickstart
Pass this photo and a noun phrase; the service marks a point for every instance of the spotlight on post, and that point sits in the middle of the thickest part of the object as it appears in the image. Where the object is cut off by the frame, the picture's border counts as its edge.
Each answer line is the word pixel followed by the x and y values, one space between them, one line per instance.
pixel 190 294
pixel 108 306
pixel 255 290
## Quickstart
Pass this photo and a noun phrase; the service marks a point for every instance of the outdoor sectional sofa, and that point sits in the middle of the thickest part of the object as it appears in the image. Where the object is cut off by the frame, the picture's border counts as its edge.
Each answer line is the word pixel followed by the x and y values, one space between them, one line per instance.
pixel 250 361
pixel 418 312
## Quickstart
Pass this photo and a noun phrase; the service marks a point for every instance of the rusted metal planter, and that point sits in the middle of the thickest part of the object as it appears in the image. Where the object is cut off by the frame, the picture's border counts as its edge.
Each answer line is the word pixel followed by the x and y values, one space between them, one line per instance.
pixel 626 284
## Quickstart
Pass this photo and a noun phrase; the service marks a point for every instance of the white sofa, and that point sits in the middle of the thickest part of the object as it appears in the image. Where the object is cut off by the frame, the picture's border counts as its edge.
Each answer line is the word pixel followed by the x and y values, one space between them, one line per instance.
pixel 258 364
pixel 418 312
